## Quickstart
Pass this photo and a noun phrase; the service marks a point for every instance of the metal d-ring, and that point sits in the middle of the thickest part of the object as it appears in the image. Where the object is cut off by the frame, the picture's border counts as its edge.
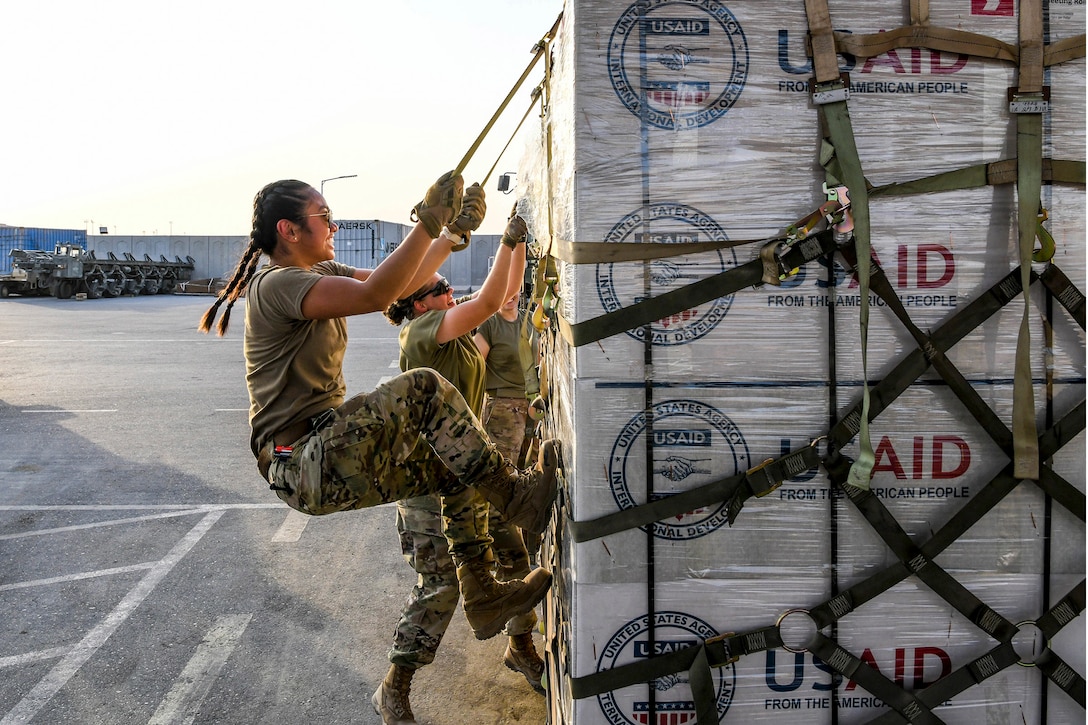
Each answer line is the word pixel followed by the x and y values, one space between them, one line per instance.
pixel 1033 623
pixel 778 623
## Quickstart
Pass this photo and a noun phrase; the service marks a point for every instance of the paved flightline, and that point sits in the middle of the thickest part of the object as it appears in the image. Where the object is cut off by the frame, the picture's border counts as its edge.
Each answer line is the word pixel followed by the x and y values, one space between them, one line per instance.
pixel 150 577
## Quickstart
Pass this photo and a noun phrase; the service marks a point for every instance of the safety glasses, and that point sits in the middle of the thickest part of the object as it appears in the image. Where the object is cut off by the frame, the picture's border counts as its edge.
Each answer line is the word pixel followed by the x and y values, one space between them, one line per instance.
pixel 441 287
pixel 328 217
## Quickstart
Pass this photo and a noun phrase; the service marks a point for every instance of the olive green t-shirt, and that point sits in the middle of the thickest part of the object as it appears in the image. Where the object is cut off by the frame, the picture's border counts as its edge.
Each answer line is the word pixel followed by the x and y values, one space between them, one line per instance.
pixel 294 366
pixel 510 368
pixel 458 360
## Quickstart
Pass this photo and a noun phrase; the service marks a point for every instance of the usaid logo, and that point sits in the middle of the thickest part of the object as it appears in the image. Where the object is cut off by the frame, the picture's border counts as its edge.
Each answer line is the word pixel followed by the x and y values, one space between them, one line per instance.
pixel 687 60
pixel 668 223
pixel 693 444
pixel 673 699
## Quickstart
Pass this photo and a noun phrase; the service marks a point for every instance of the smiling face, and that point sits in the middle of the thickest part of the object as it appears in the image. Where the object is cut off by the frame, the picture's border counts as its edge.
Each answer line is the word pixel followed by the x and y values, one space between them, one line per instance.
pixel 315 234
pixel 435 295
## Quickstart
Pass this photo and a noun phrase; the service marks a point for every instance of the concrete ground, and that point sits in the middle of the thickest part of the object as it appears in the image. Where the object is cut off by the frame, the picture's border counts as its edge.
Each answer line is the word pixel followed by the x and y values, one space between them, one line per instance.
pixel 149 574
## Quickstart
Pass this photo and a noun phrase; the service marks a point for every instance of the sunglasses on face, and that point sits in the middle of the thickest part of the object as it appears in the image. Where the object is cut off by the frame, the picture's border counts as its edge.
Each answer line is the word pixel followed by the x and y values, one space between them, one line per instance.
pixel 440 288
pixel 327 214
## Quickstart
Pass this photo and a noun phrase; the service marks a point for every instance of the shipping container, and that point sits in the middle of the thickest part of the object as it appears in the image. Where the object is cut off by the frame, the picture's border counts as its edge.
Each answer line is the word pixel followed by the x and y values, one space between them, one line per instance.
pixel 35 239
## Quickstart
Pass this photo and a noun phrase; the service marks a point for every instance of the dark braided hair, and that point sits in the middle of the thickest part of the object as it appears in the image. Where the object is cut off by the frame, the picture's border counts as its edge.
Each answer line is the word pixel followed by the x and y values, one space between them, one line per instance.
pixel 286 199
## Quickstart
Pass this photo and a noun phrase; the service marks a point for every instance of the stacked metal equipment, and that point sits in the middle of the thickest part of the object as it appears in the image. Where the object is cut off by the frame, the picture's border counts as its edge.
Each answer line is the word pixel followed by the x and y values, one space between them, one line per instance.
pixel 764 224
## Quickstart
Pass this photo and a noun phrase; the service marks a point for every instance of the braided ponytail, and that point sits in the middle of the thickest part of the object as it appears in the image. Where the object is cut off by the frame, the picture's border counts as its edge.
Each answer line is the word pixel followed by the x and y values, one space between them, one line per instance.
pixel 285 199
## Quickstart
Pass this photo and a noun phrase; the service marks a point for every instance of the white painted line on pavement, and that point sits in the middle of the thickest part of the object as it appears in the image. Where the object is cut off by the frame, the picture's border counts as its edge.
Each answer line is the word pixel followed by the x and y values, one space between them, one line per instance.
pixel 111 522
pixel 25 710
pixel 182 704
pixel 42 654
pixel 292 527
pixel 77 577
pixel 72 410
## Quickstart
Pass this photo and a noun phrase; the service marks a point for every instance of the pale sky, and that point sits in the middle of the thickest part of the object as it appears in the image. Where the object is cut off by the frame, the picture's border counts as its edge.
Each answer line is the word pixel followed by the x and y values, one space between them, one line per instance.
pixel 155 117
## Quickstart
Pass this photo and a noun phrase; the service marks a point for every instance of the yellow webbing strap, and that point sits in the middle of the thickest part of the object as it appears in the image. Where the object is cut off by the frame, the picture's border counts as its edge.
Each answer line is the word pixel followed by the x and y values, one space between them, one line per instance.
pixel 836 117
pixel 925 36
pixel 1054 171
pixel 920 34
pixel 538 52
pixel 1065 49
pixel 605 253
pixel 1029 155
pixel 535 98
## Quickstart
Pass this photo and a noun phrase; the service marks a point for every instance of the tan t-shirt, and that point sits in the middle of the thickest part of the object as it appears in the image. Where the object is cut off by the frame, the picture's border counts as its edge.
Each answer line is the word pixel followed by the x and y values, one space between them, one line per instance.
pixel 294 366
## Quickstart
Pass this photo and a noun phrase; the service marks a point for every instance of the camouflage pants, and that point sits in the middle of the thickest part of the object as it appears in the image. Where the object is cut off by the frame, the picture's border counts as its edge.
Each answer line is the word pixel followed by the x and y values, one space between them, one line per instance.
pixel 505 419
pixel 413 435
pixel 433 600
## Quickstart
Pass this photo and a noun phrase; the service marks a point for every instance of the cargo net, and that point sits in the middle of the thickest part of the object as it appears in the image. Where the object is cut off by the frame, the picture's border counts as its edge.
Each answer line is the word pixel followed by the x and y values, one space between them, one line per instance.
pixel 914 558
pixel 915 554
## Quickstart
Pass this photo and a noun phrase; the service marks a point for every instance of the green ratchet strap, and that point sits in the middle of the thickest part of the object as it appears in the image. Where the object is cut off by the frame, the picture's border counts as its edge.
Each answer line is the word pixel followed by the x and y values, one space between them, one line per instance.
pixel 1054 171
pixel 718 285
pixel 609 252
pixel 697 660
pixel 1029 155
pixel 830 94
pixel 757 481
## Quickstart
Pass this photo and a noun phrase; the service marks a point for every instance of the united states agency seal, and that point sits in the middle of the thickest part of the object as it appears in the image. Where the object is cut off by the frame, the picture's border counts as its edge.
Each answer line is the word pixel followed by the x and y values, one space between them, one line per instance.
pixel 693 443
pixel 668 223
pixel 687 60
pixel 673 700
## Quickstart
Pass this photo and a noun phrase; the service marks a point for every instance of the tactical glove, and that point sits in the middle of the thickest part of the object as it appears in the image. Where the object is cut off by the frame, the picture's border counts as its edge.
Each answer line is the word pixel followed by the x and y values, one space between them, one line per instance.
pixel 473 208
pixel 440 204
pixel 515 230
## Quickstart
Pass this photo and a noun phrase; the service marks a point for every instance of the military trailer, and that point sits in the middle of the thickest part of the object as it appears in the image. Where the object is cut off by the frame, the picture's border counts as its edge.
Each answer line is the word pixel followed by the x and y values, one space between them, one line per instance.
pixel 71 270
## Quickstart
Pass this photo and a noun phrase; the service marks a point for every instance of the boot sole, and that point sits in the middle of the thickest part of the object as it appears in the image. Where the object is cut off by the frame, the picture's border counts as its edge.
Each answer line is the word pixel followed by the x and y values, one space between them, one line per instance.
pixel 549 453
pixel 537 687
pixel 495 627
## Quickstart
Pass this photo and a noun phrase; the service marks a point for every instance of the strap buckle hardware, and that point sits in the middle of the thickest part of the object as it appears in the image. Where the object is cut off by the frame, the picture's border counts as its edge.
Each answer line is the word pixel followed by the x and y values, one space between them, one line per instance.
pixel 830 91
pixel 731 658
pixel 1036 102
pixel 760 467
pixel 773 271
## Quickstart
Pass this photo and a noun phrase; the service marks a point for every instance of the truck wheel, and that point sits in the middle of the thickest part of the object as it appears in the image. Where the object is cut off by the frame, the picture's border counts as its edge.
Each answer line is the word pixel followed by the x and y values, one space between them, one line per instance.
pixel 65 289
pixel 4 291
pixel 113 287
pixel 93 287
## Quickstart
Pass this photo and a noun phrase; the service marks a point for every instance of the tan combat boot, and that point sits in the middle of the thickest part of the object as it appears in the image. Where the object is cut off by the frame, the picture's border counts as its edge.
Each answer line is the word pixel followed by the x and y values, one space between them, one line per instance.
pixel 521 656
pixel 524 497
pixel 488 602
pixel 390 700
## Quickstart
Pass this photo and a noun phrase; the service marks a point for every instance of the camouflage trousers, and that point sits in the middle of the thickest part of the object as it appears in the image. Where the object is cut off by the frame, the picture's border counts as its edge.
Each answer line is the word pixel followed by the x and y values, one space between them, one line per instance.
pixel 506 419
pixel 413 435
pixel 433 600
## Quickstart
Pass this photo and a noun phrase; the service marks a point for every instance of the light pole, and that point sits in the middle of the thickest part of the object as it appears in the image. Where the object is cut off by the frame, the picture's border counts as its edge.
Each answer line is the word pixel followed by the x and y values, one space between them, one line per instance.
pixel 349 176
